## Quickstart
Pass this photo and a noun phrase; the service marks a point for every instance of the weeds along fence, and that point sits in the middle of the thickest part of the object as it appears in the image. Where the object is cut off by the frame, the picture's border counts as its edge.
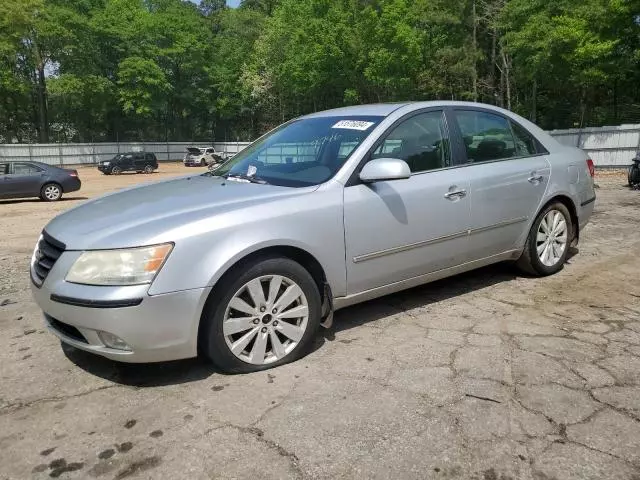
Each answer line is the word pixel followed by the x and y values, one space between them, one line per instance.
pixel 609 147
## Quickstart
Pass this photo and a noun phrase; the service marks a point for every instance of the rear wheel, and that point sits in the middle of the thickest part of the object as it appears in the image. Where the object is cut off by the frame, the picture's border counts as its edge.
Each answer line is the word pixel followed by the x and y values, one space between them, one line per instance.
pixel 547 245
pixel 51 192
pixel 261 316
pixel 148 169
pixel 203 163
pixel 634 175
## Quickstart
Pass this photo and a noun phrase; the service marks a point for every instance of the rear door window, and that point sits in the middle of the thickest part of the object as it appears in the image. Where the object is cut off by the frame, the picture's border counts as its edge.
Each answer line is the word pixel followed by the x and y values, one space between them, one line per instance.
pixel 25 169
pixel 486 136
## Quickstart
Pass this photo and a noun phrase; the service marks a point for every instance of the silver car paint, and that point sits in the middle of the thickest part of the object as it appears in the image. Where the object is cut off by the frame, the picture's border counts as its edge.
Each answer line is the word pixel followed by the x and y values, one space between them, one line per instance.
pixel 370 239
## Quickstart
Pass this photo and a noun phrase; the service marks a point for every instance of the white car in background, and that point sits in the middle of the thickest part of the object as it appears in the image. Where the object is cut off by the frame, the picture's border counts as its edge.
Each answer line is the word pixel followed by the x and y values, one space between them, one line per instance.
pixel 202 156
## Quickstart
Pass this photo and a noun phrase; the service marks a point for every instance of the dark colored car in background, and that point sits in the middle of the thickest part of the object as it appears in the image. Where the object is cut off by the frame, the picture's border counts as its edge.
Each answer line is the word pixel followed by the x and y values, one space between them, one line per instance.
pixel 129 162
pixel 36 179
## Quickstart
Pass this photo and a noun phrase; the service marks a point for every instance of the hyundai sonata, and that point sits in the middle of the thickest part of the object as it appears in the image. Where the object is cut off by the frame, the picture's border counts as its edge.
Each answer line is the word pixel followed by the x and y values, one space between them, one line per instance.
pixel 244 263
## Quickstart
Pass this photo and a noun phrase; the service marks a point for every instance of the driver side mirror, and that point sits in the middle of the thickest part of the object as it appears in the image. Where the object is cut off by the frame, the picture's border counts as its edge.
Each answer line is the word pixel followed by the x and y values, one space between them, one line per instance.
pixel 384 169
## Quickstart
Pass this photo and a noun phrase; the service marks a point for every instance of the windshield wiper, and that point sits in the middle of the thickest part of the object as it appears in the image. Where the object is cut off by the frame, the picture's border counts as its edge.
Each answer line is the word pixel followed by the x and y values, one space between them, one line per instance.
pixel 245 177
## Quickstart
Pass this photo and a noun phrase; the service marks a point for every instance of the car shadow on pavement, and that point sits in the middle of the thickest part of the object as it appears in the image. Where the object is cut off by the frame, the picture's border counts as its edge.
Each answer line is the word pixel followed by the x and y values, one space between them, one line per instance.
pixel 141 374
pixel 37 200
pixel 421 296
pixel 191 370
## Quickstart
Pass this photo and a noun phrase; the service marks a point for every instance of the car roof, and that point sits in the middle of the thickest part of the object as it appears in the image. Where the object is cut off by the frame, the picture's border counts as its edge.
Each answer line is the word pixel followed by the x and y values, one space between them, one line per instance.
pixel 33 162
pixel 386 109
pixel 374 109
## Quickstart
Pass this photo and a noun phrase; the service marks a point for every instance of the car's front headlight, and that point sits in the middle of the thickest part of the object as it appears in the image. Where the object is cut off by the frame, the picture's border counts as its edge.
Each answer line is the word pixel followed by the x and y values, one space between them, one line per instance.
pixel 132 266
pixel 106 164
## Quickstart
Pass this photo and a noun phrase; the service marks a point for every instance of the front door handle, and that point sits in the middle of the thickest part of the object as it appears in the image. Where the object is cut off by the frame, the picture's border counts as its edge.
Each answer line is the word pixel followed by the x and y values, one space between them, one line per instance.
pixel 455 194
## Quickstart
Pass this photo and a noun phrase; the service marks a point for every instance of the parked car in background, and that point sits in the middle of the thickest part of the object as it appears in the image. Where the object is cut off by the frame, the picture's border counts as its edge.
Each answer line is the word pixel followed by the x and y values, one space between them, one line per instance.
pixel 36 179
pixel 202 156
pixel 243 264
pixel 140 162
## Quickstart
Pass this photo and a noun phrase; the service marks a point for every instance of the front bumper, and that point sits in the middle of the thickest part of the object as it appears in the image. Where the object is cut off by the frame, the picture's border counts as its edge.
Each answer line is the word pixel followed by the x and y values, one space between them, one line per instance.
pixel 193 162
pixel 159 328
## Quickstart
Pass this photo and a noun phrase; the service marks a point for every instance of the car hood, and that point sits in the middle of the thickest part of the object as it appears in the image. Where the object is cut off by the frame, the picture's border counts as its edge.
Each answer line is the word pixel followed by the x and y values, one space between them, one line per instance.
pixel 146 214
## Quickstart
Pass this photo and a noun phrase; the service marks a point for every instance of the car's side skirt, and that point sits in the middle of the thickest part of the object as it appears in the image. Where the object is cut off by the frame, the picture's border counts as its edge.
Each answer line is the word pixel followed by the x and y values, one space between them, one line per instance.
pixel 341 302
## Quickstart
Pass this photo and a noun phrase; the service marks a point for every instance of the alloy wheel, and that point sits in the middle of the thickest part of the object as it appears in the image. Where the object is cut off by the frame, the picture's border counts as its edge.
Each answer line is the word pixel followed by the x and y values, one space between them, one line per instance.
pixel 52 192
pixel 551 239
pixel 265 319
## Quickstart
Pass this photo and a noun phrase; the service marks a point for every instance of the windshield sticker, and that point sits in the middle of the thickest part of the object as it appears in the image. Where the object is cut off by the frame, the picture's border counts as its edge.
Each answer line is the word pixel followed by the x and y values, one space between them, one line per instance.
pixel 353 124
pixel 252 170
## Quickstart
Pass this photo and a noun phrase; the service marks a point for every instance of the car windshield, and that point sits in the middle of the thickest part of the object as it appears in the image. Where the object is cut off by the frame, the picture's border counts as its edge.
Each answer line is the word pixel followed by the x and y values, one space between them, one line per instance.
pixel 300 153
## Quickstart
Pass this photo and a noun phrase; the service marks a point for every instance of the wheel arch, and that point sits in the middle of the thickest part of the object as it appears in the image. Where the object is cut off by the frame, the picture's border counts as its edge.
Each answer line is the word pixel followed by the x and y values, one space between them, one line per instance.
pixel 573 211
pixel 297 254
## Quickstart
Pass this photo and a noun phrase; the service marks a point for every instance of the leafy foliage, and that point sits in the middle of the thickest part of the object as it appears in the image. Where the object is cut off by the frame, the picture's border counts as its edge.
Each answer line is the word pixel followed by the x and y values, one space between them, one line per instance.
pixel 81 70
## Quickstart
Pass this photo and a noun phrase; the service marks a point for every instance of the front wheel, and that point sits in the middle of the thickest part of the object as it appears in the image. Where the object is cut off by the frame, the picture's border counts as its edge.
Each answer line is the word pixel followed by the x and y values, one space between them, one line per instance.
pixel 547 245
pixel 261 316
pixel 203 163
pixel 116 170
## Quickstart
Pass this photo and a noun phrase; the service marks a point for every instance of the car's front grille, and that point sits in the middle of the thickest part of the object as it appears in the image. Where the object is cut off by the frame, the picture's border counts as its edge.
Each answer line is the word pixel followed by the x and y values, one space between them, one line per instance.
pixel 48 251
pixel 65 329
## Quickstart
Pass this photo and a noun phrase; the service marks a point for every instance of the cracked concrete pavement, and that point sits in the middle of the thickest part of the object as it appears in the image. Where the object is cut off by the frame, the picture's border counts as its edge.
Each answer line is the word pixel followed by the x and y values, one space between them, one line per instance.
pixel 488 375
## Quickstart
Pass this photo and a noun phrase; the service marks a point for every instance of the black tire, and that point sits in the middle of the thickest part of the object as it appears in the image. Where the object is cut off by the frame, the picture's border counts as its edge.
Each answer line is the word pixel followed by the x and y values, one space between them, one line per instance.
pixel 51 192
pixel 116 170
pixel 634 175
pixel 203 163
pixel 148 169
pixel 212 342
pixel 529 262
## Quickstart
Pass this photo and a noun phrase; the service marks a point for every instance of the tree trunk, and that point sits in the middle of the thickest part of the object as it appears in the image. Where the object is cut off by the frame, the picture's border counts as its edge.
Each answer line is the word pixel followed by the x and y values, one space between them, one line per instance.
pixel 492 72
pixel 534 101
pixel 43 120
pixel 615 101
pixel 505 75
pixel 475 52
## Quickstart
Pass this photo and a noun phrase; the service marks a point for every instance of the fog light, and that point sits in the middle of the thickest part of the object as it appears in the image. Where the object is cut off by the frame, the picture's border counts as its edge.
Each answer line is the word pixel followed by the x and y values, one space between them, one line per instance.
pixel 113 341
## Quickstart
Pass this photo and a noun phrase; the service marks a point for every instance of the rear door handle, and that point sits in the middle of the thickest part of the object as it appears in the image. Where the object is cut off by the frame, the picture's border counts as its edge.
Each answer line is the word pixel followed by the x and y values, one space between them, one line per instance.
pixel 535 178
pixel 455 194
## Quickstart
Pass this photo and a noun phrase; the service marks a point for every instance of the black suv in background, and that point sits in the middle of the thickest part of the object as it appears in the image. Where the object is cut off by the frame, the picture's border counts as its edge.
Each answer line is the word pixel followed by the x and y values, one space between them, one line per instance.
pixel 131 161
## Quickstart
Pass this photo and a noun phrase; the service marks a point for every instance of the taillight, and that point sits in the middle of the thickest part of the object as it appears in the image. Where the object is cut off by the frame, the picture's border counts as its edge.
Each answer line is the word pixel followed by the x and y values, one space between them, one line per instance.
pixel 591 167
pixel 73 174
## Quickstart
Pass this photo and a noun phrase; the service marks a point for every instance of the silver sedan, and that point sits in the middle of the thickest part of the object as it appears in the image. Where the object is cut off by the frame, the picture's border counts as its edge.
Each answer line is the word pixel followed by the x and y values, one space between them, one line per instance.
pixel 244 263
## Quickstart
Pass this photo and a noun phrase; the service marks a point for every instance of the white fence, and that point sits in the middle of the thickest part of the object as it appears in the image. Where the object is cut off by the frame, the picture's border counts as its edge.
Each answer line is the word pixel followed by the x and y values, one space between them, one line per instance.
pixel 609 147
pixel 91 153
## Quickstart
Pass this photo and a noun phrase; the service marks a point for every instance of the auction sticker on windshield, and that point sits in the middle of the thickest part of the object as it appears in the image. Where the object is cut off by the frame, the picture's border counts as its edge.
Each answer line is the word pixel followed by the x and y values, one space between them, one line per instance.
pixel 353 124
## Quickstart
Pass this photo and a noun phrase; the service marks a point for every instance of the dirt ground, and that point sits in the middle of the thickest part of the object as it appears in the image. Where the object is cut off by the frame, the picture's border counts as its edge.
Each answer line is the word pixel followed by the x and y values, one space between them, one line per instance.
pixel 489 375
